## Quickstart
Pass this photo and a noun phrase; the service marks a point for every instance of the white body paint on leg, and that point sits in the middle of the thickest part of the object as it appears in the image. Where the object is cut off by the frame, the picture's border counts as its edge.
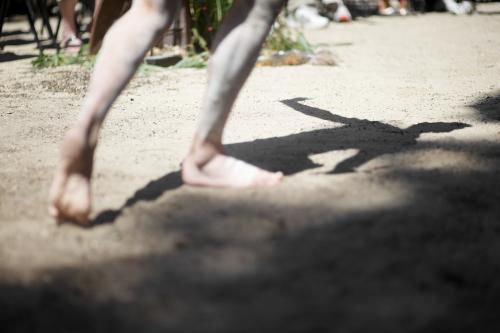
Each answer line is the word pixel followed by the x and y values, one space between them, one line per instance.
pixel 236 48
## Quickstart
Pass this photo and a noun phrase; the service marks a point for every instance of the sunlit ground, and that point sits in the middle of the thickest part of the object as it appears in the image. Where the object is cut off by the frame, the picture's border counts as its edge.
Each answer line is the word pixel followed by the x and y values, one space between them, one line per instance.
pixel 387 220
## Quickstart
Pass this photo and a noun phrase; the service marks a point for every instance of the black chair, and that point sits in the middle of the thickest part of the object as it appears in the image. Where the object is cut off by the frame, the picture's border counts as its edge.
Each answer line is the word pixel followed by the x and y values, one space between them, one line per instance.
pixel 34 8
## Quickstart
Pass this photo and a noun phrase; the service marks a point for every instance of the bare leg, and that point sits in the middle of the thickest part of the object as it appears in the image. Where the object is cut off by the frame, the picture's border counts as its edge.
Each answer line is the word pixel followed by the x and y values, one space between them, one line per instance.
pixel 69 41
pixel 97 8
pixel 384 8
pixel 235 51
pixel 123 49
pixel 67 9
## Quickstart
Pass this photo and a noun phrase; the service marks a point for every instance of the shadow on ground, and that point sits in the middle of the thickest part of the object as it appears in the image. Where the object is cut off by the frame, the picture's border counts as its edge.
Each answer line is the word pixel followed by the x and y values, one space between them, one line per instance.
pixel 9 56
pixel 16 42
pixel 488 12
pixel 431 263
pixel 488 107
pixel 290 154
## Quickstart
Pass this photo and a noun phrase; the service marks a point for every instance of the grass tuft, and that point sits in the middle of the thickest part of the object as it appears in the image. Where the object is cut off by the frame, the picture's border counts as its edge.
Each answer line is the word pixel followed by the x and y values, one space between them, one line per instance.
pixel 62 59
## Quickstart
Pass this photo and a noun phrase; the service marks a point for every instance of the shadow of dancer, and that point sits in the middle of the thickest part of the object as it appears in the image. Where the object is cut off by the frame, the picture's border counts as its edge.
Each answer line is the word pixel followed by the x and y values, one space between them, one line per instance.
pixel 371 138
pixel 291 153
pixel 488 107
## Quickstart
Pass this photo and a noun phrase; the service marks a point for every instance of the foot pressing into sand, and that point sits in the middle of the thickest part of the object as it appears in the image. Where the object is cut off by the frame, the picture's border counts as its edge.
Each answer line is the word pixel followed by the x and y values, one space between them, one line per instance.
pixel 70 192
pixel 207 165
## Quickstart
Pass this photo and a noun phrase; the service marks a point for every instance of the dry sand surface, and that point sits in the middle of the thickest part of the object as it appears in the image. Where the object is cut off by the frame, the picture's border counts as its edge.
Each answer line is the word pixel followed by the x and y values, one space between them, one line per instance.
pixel 388 219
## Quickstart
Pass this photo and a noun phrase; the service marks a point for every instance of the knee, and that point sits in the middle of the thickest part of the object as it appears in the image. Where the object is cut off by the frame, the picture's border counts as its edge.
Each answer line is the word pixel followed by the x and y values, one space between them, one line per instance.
pixel 267 10
pixel 158 13
pixel 276 6
pixel 272 7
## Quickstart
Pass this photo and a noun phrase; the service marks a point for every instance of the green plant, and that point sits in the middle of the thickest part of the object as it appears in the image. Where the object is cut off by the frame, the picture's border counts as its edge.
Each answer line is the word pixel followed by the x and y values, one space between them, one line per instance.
pixel 282 38
pixel 195 60
pixel 61 59
pixel 147 70
pixel 206 16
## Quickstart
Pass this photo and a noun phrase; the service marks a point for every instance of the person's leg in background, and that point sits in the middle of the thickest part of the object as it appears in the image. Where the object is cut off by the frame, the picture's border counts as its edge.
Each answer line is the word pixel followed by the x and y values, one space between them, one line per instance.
pixel 70 40
pixel 97 6
pixel 403 7
pixel 385 9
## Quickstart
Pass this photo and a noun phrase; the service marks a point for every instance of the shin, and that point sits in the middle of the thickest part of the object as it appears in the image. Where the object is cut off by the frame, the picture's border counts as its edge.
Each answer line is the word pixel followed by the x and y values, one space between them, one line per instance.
pixel 122 51
pixel 236 48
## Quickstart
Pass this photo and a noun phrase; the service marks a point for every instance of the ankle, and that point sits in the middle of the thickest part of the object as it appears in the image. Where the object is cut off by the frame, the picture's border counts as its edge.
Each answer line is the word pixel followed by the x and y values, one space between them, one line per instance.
pixel 77 140
pixel 203 151
pixel 88 128
pixel 77 153
pixel 83 138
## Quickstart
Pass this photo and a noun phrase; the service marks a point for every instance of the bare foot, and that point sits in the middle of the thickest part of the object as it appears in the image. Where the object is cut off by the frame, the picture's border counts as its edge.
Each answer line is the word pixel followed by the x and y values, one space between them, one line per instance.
pixel 70 191
pixel 215 169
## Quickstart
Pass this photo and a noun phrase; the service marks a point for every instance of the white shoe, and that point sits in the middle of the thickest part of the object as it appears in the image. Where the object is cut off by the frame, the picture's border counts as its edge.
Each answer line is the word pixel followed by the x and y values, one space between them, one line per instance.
pixel 307 17
pixel 458 8
pixel 389 11
pixel 467 7
pixel 342 14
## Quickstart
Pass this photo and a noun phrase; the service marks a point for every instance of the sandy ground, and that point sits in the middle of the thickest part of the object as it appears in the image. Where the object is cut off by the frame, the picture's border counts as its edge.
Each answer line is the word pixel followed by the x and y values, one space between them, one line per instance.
pixel 388 219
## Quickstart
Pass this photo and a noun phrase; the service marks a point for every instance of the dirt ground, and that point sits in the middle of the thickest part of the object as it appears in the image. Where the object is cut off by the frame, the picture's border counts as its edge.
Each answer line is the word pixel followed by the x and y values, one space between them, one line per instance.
pixel 388 219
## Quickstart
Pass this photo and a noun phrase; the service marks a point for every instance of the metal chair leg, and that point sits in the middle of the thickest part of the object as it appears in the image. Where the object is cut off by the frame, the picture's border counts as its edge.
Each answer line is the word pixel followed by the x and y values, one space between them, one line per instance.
pixel 31 20
pixel 3 13
pixel 42 8
pixel 59 20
